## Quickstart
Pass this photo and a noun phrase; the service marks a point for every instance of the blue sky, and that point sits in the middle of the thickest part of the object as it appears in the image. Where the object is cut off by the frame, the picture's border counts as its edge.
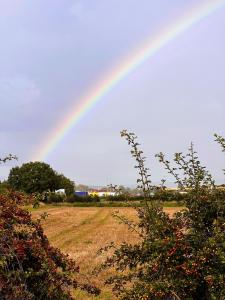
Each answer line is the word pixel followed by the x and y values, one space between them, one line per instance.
pixel 53 52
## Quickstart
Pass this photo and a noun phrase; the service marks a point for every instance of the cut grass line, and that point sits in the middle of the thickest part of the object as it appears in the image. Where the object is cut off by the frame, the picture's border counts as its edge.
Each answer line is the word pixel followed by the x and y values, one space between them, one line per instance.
pixel 82 232
pixel 85 231
pixel 71 228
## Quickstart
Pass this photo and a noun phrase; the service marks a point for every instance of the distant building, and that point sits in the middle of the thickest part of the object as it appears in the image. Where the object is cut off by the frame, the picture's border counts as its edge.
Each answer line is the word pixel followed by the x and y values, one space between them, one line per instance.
pixel 101 193
pixel 81 193
pixel 61 192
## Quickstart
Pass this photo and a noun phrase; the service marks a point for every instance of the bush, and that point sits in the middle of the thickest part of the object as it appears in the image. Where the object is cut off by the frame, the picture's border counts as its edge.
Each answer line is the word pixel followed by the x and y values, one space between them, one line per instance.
pixel 176 258
pixel 82 199
pixel 30 268
pixel 165 195
pixel 54 198
pixel 117 198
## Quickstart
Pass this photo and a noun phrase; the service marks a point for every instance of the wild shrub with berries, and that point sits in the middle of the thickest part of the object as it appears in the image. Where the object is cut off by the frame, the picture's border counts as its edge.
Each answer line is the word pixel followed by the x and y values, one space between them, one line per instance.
pixel 30 268
pixel 182 257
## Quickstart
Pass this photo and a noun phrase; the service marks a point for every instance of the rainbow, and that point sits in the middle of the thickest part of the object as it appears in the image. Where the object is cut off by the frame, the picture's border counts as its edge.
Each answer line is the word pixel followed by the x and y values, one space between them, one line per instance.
pixel 150 48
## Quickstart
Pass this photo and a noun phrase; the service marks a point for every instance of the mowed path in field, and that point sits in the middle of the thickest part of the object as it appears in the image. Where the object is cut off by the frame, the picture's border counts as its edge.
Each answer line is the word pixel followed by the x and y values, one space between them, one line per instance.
pixel 82 231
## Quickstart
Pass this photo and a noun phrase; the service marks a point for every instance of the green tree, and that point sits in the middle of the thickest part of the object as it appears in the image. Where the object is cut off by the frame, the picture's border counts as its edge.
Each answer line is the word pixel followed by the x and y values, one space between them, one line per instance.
pixel 34 177
pixel 67 184
pixel 30 267
pixel 176 258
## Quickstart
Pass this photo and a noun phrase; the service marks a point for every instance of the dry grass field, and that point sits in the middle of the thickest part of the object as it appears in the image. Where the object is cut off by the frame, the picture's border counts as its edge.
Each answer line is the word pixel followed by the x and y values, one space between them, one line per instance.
pixel 82 231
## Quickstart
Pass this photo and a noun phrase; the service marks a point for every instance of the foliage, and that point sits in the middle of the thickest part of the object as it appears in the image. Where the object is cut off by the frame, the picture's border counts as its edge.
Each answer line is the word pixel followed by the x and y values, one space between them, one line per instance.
pixel 164 195
pixel 7 158
pixel 33 177
pixel 159 196
pixel 82 199
pixel 221 141
pixel 176 258
pixel 30 268
pixel 52 197
pixel 38 177
pixel 116 198
pixel 66 183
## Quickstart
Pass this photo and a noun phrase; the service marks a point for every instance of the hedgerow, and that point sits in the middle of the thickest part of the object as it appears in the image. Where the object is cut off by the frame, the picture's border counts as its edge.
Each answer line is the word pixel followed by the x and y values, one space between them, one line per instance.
pixel 30 268
pixel 176 258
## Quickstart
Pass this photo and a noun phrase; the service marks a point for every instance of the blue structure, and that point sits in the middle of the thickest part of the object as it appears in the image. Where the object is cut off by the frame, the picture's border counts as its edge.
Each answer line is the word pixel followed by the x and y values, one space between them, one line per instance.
pixel 81 193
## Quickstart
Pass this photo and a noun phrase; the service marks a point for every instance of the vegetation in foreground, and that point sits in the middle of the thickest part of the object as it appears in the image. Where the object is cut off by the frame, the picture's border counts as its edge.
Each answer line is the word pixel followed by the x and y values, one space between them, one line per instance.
pixel 175 258
pixel 172 258
pixel 30 268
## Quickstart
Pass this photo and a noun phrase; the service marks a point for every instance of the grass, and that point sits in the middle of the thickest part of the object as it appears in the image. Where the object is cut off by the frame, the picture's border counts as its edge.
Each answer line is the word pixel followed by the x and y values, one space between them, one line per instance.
pixel 82 231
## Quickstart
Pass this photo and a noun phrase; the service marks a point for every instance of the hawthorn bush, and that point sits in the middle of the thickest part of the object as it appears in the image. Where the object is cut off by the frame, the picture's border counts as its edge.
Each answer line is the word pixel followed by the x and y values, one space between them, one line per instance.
pixel 176 258
pixel 82 199
pixel 30 268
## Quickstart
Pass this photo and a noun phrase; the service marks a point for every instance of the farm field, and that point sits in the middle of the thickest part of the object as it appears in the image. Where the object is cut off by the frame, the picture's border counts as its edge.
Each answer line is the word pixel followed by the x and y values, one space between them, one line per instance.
pixel 82 231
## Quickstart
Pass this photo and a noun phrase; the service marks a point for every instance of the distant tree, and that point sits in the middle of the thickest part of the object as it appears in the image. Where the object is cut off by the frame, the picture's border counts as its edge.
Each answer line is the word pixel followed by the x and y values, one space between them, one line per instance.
pixel 34 177
pixel 30 267
pixel 67 184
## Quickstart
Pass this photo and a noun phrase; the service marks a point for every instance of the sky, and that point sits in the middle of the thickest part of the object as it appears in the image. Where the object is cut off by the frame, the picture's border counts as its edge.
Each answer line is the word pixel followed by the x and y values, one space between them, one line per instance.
pixel 54 52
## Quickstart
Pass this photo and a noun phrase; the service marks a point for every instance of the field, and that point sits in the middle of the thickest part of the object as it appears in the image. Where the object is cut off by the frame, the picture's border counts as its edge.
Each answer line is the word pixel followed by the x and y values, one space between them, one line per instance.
pixel 82 231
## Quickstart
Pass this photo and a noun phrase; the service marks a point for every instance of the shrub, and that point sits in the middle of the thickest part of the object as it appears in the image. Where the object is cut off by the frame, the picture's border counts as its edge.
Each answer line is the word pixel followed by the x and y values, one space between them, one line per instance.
pixel 54 198
pixel 72 198
pixel 82 199
pixel 165 195
pixel 117 198
pixel 30 268
pixel 176 258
